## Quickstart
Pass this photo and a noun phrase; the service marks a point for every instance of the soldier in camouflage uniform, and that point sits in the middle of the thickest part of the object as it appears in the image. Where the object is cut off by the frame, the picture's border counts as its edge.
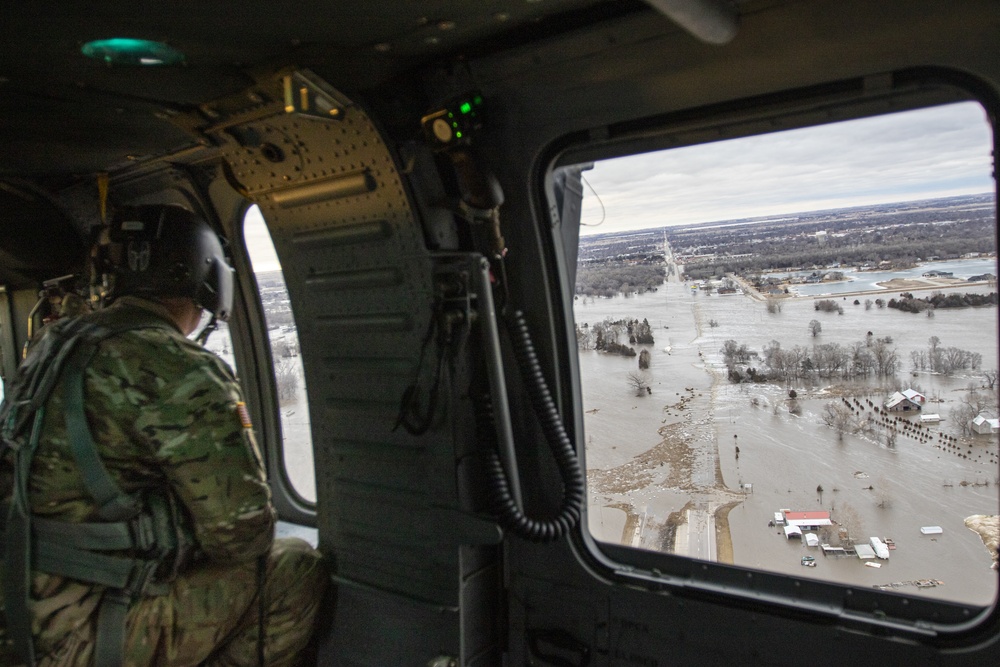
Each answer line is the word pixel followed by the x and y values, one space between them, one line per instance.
pixel 167 414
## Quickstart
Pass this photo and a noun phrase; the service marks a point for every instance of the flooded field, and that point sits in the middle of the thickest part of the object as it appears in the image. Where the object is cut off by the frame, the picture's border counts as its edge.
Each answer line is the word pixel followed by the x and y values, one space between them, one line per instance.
pixel 663 466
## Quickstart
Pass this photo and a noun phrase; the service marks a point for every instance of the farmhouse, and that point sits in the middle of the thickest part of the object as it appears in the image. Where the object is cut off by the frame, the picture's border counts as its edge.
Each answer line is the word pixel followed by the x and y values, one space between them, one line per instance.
pixel 982 424
pixel 914 396
pixel 900 403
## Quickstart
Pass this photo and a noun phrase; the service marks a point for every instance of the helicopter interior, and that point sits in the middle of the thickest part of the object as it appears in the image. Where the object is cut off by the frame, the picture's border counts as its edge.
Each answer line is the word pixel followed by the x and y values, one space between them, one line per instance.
pixel 420 169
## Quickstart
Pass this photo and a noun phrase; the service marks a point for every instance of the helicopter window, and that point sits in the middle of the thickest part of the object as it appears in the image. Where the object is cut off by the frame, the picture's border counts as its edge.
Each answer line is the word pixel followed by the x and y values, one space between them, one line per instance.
pixel 788 352
pixel 284 339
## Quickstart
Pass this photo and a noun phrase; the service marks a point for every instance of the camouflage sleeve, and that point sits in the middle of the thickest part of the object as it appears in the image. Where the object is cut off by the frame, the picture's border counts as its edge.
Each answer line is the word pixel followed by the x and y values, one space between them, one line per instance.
pixel 202 442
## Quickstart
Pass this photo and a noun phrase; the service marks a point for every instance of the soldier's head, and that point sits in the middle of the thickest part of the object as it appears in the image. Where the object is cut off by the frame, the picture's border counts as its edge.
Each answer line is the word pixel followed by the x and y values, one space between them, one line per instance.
pixel 164 253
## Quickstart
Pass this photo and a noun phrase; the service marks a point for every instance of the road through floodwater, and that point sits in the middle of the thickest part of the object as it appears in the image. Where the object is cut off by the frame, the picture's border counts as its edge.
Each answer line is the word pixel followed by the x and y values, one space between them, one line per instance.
pixel 652 459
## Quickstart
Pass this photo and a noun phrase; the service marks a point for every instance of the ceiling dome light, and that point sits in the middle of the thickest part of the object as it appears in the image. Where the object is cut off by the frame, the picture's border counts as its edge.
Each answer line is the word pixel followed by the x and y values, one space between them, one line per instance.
pixel 124 51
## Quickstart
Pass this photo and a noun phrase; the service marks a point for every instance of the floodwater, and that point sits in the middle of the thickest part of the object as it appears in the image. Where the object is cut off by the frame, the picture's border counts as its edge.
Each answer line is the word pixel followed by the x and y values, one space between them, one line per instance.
pixel 856 281
pixel 670 456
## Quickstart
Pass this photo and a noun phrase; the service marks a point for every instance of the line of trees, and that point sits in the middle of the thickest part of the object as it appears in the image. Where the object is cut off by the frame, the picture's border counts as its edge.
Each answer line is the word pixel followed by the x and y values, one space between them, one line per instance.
pixel 944 360
pixel 828 306
pixel 871 357
pixel 907 303
pixel 611 278
pixel 607 336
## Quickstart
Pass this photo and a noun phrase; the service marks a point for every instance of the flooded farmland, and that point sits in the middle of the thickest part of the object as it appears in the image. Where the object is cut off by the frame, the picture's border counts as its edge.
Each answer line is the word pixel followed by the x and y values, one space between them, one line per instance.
pixel 663 465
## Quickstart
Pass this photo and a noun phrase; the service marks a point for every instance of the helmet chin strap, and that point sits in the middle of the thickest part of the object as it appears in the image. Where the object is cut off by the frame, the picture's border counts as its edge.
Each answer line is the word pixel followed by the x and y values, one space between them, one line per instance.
pixel 203 335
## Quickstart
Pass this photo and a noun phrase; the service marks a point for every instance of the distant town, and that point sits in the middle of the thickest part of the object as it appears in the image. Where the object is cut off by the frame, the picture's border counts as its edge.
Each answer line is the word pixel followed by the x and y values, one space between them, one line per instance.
pixel 817 245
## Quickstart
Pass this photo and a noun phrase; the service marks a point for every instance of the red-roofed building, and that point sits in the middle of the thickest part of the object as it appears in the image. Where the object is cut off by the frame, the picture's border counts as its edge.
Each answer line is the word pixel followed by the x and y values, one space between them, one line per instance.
pixel 808 519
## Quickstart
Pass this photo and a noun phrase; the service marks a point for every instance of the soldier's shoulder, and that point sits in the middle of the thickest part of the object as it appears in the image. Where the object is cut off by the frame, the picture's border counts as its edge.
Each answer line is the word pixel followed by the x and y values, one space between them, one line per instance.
pixel 164 352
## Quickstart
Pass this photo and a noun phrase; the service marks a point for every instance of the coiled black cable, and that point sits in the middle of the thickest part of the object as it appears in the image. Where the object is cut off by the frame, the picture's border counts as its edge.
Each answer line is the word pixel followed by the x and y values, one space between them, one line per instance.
pixel 570 508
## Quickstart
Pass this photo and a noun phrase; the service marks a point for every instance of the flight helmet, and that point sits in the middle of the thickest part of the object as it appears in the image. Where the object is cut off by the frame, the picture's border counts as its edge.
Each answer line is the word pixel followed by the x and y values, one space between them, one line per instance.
pixel 164 251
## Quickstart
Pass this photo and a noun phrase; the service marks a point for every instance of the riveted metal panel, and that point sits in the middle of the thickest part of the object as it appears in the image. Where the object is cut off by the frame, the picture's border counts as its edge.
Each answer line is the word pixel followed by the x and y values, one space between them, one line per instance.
pixel 362 285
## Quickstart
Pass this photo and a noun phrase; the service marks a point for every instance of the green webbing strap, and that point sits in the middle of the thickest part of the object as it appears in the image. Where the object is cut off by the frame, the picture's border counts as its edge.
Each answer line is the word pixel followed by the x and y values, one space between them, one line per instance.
pixel 110 646
pixel 17 552
pixel 113 503
pixel 120 535
pixel 94 567
pixel 56 555
pixel 43 368
pixel 26 404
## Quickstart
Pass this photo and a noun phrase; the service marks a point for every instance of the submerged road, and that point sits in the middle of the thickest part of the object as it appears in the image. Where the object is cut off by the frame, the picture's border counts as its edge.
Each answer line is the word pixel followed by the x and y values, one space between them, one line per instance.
pixel 696 537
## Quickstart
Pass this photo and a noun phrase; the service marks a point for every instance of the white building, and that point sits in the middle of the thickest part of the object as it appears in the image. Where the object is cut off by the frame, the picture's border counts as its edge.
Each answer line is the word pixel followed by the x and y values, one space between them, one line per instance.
pixel 983 424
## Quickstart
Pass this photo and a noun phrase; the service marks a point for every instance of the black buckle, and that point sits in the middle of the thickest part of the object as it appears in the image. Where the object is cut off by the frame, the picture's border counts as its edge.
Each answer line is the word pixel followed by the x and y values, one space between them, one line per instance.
pixel 143 581
pixel 143 532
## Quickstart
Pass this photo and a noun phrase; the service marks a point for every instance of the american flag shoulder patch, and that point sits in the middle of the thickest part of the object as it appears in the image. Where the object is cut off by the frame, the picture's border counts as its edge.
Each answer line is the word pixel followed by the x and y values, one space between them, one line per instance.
pixel 241 410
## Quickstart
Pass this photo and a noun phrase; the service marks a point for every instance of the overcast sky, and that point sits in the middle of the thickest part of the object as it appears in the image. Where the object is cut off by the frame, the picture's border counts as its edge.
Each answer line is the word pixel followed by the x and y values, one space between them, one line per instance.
pixel 258 240
pixel 921 154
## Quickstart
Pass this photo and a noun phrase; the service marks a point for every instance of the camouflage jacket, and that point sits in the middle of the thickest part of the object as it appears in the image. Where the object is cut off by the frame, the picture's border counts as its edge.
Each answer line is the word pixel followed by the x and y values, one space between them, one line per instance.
pixel 165 414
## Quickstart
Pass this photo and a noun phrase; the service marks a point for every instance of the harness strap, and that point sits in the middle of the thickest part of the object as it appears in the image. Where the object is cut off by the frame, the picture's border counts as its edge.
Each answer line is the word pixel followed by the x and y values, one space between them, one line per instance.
pixel 113 503
pixel 139 533
pixel 133 575
pixel 109 651
pixel 17 549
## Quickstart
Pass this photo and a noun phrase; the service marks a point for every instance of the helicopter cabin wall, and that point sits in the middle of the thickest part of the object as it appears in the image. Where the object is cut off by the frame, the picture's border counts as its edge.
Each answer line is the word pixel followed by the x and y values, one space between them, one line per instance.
pixel 384 338
pixel 634 86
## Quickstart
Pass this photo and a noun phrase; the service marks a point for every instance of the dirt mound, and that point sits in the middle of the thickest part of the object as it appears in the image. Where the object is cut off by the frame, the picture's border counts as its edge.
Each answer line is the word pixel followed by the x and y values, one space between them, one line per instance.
pixel 988 528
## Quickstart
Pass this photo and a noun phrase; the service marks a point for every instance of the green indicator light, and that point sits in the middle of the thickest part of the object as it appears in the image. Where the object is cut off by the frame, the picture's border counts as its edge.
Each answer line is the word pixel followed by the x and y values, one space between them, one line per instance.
pixel 122 51
pixel 454 124
pixel 451 115
pixel 477 100
pixel 458 135
pixel 465 108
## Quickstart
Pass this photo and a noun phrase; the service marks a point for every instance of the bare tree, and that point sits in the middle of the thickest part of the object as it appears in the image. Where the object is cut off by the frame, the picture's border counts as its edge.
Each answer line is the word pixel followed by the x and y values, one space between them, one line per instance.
pixel 584 337
pixel 885 357
pixel 639 383
pixel 990 377
pixel 815 327
pixel 850 523
pixel 972 404
pixel 643 359
pixel 287 378
pixel 883 492
pixel 839 417
pixel 773 306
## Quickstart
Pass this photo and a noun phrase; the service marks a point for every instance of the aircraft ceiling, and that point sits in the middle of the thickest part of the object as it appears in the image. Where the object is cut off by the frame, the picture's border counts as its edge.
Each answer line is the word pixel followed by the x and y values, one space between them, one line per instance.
pixel 64 114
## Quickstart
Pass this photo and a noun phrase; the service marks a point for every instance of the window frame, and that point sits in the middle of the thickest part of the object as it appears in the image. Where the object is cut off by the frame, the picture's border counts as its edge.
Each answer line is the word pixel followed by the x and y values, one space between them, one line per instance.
pixel 937 622
pixel 254 352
